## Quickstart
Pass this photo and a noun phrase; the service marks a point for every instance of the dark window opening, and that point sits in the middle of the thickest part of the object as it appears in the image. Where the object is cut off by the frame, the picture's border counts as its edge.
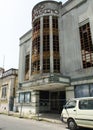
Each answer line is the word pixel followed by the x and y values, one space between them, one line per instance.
pixel 27 66
pixel 55 22
pixel 56 65
pixel 55 43
pixel 86 46
pixel 46 65
pixel 36 66
pixel 85 90
pixel 46 46
pixel 46 22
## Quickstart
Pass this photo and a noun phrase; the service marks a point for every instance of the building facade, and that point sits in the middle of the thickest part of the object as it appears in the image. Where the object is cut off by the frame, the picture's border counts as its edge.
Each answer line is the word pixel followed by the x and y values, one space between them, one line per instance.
pixel 56 56
pixel 8 87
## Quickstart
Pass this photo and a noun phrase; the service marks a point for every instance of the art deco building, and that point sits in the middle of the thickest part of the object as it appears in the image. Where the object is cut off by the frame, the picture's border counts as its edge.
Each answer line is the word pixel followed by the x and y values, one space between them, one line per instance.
pixel 56 56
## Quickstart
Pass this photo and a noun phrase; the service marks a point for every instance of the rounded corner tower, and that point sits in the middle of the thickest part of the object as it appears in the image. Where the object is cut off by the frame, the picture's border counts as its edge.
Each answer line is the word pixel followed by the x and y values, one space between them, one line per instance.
pixel 45 56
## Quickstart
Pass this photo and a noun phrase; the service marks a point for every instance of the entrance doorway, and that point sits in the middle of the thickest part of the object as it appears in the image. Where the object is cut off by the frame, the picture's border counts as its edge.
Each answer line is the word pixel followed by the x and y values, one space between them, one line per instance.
pixel 51 101
pixel 57 100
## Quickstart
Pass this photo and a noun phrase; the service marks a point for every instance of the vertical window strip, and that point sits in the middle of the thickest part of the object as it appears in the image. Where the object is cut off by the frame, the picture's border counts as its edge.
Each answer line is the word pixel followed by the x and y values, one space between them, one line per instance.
pixel 86 45
pixel 27 59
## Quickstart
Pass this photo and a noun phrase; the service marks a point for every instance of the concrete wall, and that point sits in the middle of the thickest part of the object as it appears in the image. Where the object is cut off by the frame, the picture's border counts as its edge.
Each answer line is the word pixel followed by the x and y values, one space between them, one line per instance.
pixel 70 49
pixel 25 44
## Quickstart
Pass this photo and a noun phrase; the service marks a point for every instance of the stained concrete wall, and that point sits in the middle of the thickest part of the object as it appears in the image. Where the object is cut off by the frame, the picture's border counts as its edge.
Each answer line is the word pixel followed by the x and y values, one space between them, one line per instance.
pixel 70 45
pixel 25 44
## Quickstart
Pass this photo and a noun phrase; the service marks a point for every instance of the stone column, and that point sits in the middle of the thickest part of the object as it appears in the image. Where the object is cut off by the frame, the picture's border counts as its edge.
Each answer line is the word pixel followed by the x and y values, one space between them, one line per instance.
pixel 51 45
pixel 70 92
pixel 21 71
pixel 35 102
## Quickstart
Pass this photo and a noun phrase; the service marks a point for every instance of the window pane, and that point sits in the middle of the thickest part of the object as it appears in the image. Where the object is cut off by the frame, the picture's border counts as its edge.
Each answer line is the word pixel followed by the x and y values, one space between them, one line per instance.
pixel 27 97
pixel 86 104
pixel 82 91
pixel 21 97
pixel 4 93
pixel 91 89
pixel 71 104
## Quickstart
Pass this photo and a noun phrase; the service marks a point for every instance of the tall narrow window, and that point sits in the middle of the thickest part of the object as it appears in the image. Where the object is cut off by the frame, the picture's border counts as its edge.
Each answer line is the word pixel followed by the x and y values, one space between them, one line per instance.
pixel 27 67
pixel 56 45
pixel 35 58
pixel 86 45
pixel 36 46
pixel 46 65
pixel 46 22
pixel 46 43
pixel 56 65
pixel 55 22
pixel 4 92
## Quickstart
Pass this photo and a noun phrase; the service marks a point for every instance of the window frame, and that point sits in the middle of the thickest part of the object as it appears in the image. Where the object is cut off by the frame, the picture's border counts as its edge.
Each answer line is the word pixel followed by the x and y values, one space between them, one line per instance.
pixel 86 45
pixel 4 92
pixel 23 100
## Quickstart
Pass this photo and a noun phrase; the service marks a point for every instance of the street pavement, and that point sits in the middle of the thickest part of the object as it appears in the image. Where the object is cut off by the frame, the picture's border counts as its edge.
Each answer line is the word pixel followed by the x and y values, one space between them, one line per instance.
pixel 15 123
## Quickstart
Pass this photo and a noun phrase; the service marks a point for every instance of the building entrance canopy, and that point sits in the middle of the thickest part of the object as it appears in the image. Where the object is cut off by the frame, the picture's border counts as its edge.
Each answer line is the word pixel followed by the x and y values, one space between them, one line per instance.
pixel 52 82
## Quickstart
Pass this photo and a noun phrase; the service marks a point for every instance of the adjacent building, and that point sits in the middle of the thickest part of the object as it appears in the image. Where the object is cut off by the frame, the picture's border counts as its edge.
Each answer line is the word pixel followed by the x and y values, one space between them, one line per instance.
pixel 56 56
pixel 8 86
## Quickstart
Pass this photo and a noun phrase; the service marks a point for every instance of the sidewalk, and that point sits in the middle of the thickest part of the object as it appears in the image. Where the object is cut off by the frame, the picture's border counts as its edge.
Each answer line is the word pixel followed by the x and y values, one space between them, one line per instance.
pixel 55 118
pixel 49 117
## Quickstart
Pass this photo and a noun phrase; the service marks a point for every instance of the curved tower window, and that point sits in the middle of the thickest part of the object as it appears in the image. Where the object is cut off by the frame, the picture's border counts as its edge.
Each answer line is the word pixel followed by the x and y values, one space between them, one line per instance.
pixel 36 47
pixel 46 45
pixel 55 44
pixel 36 25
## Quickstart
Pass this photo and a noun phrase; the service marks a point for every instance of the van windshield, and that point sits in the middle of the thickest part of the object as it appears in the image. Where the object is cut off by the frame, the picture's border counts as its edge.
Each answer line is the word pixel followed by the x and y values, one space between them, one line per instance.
pixel 71 104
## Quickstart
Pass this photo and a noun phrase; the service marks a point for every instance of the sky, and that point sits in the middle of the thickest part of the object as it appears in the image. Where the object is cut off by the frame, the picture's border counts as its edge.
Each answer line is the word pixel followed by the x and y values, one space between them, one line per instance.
pixel 15 20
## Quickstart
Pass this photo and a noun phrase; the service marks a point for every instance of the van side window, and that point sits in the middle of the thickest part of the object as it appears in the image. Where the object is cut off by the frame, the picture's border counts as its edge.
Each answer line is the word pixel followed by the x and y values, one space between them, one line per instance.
pixel 71 104
pixel 86 104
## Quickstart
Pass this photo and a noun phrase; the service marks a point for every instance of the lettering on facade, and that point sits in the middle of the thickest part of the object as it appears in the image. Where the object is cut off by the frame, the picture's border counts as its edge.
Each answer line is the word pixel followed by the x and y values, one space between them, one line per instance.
pixel 41 9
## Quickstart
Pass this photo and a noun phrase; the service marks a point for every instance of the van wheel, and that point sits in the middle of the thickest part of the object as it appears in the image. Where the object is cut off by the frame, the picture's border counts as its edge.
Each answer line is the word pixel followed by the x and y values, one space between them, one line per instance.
pixel 71 124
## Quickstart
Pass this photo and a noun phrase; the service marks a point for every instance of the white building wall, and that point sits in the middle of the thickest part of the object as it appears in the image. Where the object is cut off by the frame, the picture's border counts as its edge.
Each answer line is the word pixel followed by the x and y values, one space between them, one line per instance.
pixel 25 48
pixel 69 92
pixel 71 48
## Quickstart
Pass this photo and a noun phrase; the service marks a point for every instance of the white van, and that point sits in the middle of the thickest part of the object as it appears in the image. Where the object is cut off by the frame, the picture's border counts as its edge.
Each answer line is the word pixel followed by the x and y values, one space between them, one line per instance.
pixel 78 112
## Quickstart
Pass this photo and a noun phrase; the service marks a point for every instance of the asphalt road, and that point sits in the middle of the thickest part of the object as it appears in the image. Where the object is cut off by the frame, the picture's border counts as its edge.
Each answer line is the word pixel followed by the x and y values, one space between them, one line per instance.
pixel 15 123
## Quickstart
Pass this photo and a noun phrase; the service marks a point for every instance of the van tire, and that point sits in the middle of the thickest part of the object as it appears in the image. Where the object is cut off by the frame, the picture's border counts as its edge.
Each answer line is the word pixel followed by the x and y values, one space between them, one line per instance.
pixel 71 124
